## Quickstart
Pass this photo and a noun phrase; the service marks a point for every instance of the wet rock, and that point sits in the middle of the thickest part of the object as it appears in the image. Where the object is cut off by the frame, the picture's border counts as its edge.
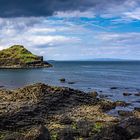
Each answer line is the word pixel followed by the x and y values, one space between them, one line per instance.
pixel 113 88
pixel 107 105
pixel 71 83
pixel 137 109
pixel 112 133
pixel 121 103
pixel 38 133
pixel 94 94
pixel 125 113
pixel 137 94
pixel 103 96
pixel 126 94
pixel 1 86
pixel 62 80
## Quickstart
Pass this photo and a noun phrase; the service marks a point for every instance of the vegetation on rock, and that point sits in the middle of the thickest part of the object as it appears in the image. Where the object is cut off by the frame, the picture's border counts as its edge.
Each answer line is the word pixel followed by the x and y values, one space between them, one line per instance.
pixel 18 56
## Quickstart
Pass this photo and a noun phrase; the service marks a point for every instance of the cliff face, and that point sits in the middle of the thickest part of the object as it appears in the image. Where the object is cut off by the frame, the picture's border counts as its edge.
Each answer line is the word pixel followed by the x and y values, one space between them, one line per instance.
pixel 19 57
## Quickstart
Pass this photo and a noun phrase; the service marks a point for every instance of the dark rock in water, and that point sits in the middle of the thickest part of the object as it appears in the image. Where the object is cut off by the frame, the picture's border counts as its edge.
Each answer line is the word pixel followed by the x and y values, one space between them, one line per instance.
pixel 132 126
pixel 113 88
pixel 121 103
pixel 63 80
pixel 103 96
pixel 112 133
pixel 137 109
pixel 126 94
pixel 137 94
pixel 1 86
pixel 38 133
pixel 71 83
pixel 94 94
pixel 125 113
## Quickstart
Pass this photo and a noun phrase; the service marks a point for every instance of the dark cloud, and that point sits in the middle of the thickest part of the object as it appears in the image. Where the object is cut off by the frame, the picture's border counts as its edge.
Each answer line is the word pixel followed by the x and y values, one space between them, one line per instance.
pixel 19 8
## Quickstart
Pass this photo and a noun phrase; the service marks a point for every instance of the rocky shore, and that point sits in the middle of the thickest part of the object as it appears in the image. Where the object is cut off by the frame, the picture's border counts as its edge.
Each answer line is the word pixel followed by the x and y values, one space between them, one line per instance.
pixel 43 112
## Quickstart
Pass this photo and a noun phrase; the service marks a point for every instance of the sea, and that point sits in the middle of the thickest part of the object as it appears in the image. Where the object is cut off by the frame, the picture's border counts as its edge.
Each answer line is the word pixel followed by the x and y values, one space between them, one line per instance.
pixel 87 76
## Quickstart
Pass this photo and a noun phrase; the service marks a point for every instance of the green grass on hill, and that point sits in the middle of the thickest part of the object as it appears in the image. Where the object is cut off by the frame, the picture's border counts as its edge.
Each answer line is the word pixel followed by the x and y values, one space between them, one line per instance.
pixel 18 52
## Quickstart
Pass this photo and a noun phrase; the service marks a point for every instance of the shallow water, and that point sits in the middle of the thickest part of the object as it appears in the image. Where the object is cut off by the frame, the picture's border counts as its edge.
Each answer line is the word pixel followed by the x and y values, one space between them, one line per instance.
pixel 87 75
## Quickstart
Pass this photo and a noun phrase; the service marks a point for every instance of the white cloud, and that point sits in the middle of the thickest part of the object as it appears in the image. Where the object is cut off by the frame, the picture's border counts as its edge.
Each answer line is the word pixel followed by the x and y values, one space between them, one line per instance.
pixel 68 14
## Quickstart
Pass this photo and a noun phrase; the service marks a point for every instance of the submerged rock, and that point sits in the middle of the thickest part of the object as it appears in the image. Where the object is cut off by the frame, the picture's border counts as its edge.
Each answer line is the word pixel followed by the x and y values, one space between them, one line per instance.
pixel 126 94
pixel 137 94
pixel 62 80
pixel 113 87
pixel 71 83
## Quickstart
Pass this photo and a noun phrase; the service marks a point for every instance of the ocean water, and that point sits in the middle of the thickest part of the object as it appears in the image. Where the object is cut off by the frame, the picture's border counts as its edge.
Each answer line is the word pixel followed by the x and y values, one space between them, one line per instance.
pixel 88 76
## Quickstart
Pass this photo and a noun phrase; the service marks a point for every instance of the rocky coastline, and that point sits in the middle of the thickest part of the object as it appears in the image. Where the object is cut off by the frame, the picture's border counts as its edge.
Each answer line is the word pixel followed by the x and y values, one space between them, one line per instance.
pixel 43 112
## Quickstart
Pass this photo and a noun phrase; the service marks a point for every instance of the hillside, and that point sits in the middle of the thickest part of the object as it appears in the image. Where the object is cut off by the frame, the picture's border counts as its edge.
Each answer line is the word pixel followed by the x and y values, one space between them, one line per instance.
pixel 18 56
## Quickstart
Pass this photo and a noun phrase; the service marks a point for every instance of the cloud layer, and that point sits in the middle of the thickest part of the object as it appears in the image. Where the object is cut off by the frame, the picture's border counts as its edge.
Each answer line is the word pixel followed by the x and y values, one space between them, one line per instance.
pixel 20 8
pixel 72 29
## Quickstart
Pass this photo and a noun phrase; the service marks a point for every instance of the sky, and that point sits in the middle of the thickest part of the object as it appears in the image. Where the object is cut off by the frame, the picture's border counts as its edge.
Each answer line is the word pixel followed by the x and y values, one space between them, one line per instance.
pixel 72 29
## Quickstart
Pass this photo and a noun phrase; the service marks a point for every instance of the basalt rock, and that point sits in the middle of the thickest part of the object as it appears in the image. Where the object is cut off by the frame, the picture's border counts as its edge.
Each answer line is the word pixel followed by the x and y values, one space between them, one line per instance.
pixel 112 133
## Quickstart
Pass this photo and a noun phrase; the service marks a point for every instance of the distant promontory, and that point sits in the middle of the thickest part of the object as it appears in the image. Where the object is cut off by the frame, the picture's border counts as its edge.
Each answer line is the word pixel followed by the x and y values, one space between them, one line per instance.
pixel 18 56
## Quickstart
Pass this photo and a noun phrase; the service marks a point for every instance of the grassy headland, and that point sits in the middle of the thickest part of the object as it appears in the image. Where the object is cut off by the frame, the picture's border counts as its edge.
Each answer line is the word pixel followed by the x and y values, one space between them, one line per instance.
pixel 18 56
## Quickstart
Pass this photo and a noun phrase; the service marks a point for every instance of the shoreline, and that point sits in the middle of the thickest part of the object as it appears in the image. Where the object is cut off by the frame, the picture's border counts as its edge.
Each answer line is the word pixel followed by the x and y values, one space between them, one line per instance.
pixel 60 110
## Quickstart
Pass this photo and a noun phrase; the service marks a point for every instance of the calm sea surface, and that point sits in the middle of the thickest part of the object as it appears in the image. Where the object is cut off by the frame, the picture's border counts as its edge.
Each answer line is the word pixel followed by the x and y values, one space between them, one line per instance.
pixel 87 75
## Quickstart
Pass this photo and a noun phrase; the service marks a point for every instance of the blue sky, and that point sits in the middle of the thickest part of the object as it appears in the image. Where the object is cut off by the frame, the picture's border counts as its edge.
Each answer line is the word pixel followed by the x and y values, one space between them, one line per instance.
pixel 75 34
